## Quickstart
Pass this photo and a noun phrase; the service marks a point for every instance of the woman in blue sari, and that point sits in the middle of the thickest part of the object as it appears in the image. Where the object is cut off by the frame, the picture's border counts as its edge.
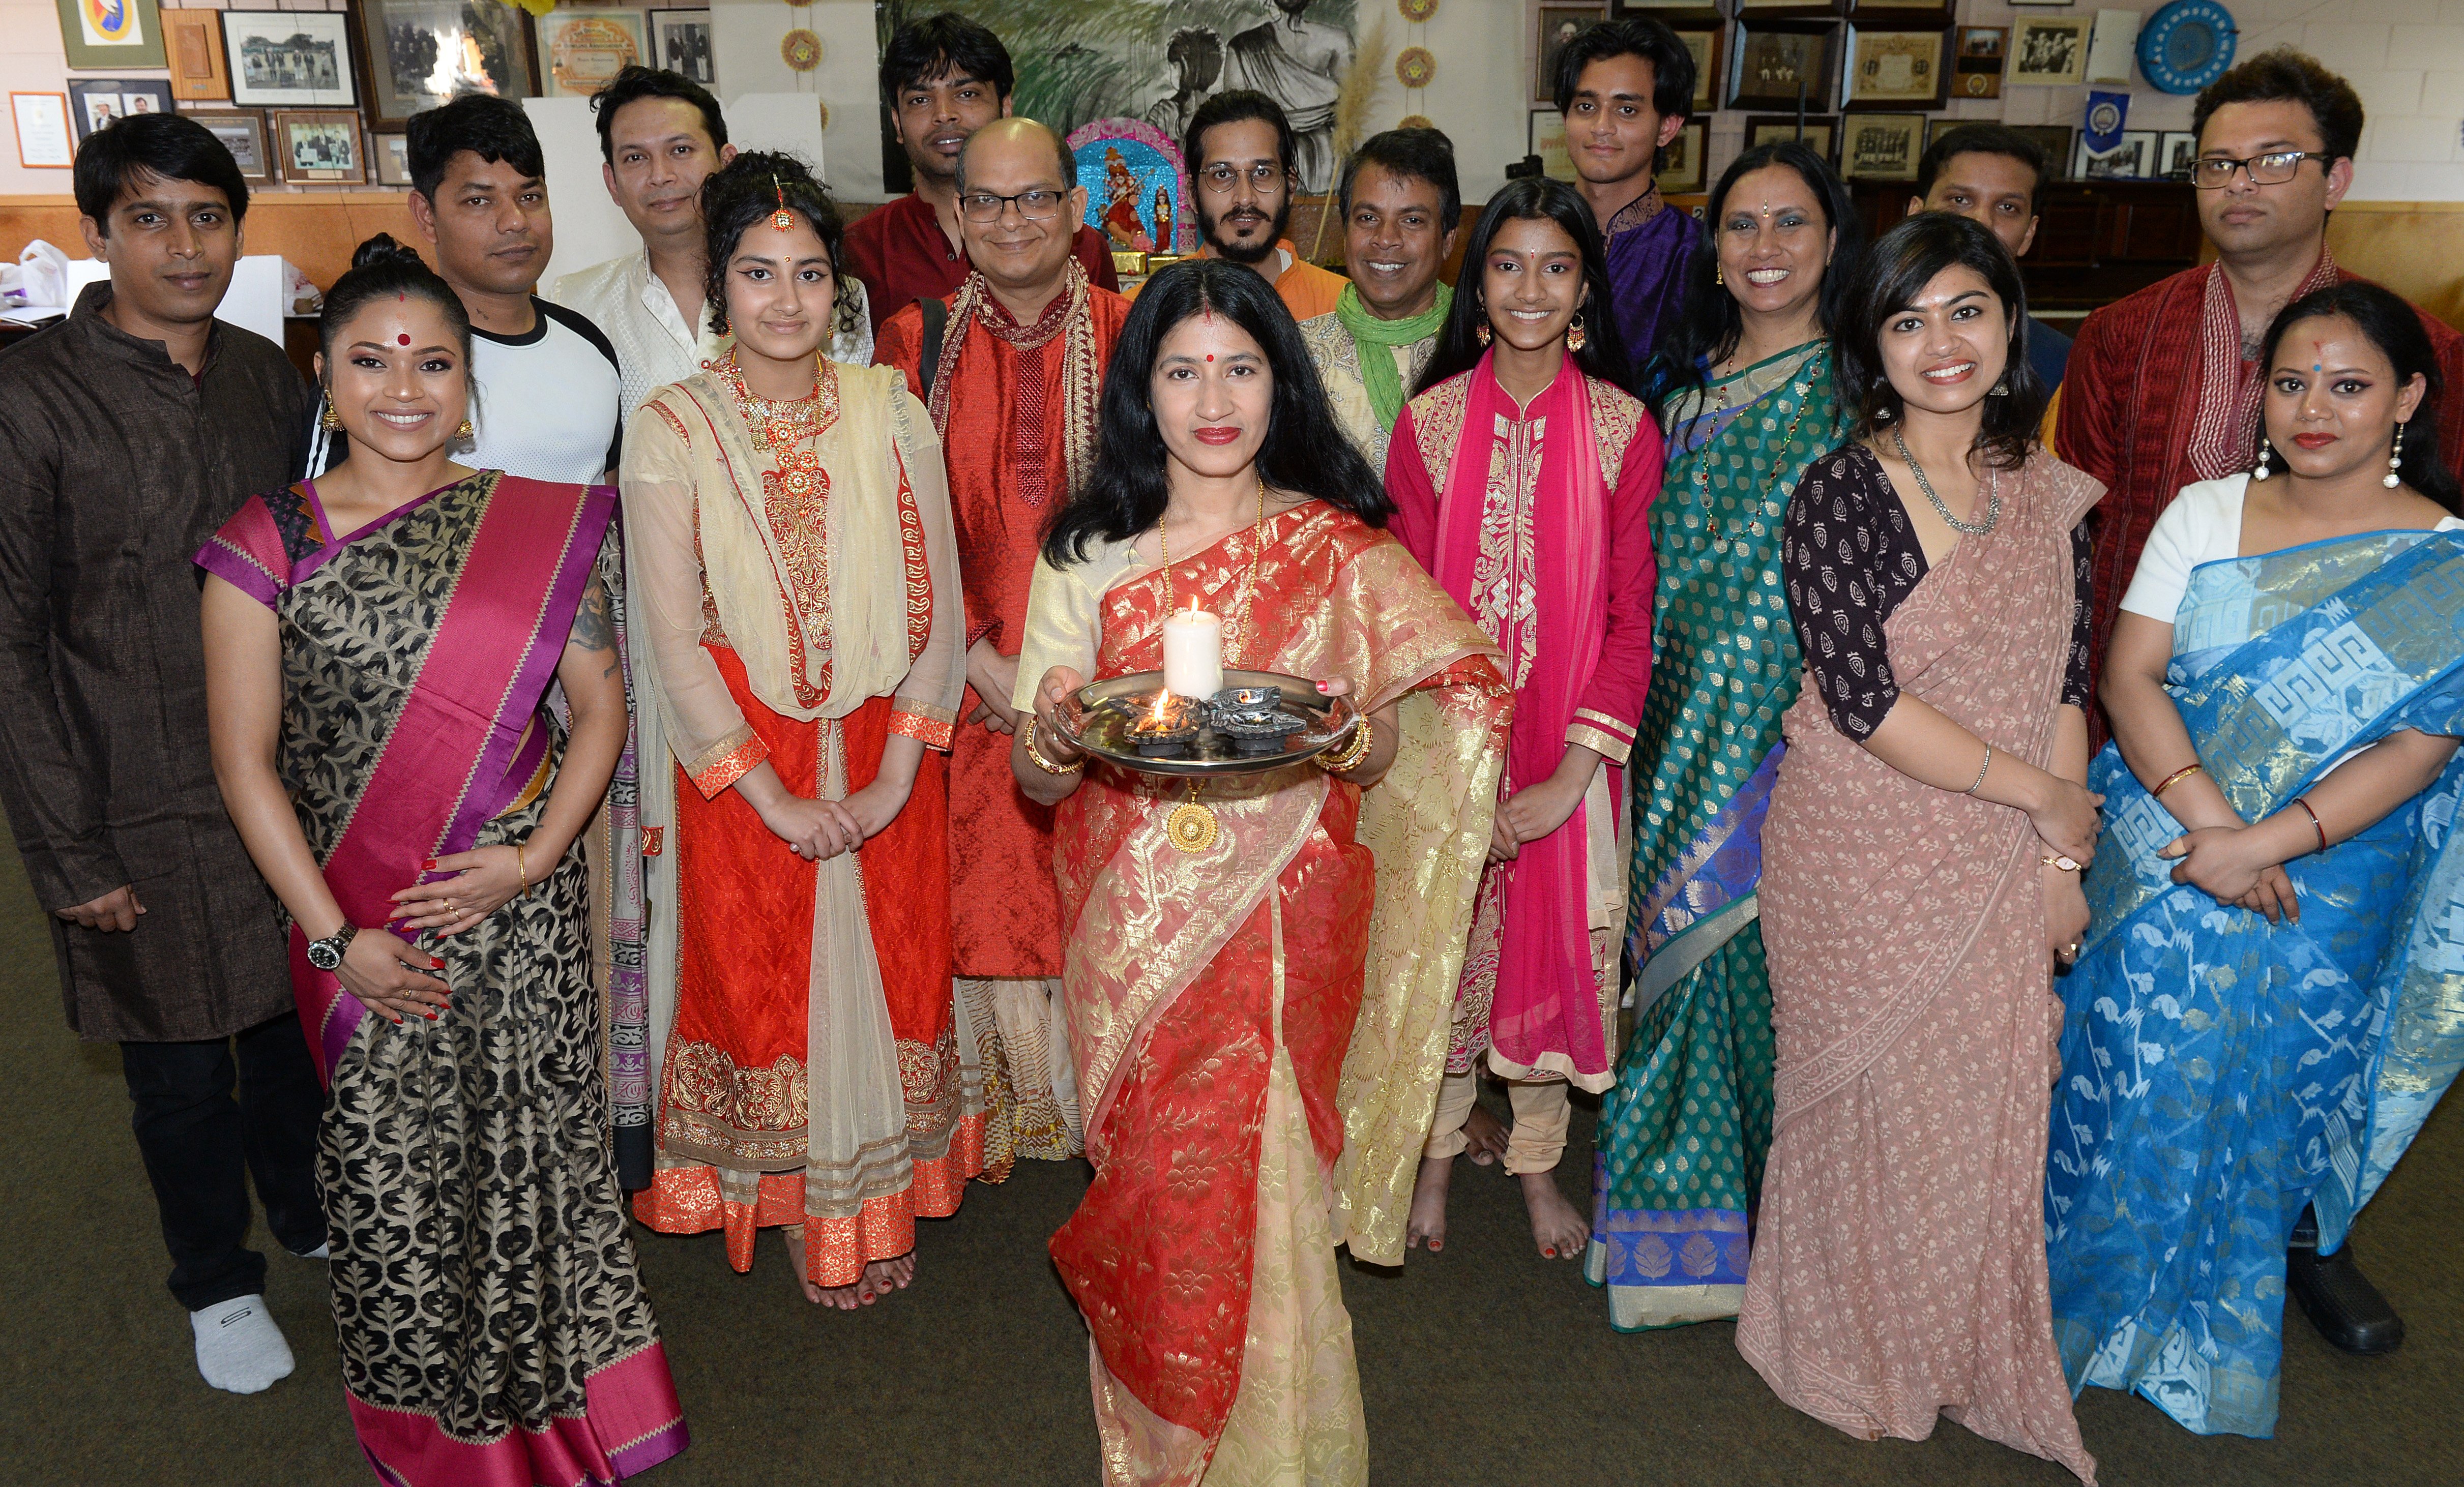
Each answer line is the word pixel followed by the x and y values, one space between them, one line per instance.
pixel 2264 1012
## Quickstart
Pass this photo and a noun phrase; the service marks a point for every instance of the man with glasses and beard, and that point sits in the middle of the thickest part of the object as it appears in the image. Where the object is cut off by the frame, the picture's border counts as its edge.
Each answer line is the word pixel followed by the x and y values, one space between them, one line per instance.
pixel 1240 151
pixel 943 77
pixel 2164 390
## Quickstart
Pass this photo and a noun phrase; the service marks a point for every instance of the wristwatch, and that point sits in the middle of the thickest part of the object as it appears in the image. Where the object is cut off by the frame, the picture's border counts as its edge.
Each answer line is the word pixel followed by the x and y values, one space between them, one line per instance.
pixel 327 954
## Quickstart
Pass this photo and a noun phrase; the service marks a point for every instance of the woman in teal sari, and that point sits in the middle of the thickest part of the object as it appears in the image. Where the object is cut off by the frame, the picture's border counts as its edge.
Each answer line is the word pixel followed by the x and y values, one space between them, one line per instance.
pixel 1745 391
pixel 2264 1010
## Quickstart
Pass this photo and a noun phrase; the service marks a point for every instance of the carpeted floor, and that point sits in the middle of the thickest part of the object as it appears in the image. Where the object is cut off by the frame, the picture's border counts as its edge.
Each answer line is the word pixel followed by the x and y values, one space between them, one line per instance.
pixel 1484 1365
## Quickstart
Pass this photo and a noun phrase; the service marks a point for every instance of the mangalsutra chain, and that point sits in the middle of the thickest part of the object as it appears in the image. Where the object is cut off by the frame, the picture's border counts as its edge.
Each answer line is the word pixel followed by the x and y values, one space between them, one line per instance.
pixel 1725 542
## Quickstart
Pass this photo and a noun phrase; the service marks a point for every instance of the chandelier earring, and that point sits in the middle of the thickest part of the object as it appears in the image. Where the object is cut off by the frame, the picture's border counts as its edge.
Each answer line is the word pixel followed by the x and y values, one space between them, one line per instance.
pixel 1718 275
pixel 1480 331
pixel 2265 452
pixel 465 431
pixel 2395 461
pixel 1575 336
pixel 330 421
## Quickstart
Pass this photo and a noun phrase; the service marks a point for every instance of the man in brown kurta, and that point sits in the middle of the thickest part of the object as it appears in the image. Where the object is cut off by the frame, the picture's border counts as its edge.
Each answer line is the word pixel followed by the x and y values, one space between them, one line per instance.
pixel 129 433
pixel 1015 371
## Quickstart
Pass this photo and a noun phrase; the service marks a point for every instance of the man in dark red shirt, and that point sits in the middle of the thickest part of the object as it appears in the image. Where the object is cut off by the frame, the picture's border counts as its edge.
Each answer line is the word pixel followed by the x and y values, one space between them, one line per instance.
pixel 944 78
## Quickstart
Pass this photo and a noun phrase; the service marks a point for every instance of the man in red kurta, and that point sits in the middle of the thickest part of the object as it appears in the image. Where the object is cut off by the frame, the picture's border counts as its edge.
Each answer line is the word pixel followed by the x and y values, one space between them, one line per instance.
pixel 2164 385
pixel 2163 390
pixel 1013 391
pixel 943 77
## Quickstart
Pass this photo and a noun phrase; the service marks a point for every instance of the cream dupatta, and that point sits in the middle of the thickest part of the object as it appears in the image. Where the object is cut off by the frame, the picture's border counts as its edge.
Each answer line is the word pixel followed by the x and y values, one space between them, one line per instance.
pixel 698 524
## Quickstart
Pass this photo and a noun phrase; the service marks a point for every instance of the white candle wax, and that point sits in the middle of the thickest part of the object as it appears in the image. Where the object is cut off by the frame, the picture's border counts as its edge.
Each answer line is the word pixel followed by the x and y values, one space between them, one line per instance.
pixel 1193 654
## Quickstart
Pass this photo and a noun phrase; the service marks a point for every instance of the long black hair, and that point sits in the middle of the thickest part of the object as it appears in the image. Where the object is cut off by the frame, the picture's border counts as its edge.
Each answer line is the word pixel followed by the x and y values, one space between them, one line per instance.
pixel 1534 199
pixel 1896 270
pixel 1304 450
pixel 2394 327
pixel 1707 330
pixel 747 190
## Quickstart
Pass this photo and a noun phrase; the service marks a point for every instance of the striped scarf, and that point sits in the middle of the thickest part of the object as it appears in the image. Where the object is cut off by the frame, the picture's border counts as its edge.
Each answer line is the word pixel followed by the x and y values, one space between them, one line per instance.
pixel 2224 441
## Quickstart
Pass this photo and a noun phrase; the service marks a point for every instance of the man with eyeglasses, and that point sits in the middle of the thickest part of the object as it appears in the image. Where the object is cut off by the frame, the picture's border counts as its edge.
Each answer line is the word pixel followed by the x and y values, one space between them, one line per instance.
pixel 943 79
pixel 1011 368
pixel 2164 390
pixel 2163 386
pixel 1240 149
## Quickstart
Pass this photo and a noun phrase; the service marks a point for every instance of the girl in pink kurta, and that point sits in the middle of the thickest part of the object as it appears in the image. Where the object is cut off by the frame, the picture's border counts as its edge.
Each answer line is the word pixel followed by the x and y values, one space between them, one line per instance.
pixel 1521 478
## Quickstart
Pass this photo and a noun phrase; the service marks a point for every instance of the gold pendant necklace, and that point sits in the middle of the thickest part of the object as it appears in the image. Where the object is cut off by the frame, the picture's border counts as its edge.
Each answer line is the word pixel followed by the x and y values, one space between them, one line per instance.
pixel 1191 827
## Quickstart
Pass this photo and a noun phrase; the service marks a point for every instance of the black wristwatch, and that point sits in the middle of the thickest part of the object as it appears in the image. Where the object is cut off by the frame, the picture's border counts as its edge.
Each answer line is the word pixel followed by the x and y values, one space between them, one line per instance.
pixel 327 954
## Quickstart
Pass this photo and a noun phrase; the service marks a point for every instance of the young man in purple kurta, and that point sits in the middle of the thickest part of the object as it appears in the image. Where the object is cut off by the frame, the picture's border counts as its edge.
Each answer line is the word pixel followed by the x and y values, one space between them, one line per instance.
pixel 1625 87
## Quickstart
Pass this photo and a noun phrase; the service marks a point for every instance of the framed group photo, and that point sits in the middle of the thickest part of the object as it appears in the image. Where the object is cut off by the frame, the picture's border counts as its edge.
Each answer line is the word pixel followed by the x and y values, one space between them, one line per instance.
pixel 290 58
pixel 242 131
pixel 1769 65
pixel 322 146
pixel 2048 51
pixel 1821 134
pixel 1892 69
pixel 1881 147
pixel 98 102
pixel 420 53
pixel 681 39
pixel 2133 159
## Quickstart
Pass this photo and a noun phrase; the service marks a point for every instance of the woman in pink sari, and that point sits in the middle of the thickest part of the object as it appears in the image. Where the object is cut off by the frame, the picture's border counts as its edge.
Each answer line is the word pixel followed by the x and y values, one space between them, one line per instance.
pixel 379 646
pixel 1522 477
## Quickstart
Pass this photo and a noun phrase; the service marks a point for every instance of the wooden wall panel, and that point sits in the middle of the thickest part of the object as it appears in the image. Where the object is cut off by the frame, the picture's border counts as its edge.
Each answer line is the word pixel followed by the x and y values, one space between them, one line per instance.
pixel 2413 248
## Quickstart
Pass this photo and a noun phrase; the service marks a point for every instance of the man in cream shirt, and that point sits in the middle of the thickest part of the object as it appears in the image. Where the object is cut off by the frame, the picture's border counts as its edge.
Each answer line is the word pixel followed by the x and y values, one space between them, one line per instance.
pixel 661 135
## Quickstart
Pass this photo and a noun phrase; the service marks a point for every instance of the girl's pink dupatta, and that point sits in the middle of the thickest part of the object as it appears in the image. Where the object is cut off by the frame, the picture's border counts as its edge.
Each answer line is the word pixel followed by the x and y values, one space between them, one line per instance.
pixel 1546 999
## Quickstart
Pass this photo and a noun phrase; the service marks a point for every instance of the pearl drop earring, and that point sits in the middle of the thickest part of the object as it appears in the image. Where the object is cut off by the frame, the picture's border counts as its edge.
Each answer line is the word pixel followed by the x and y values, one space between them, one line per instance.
pixel 2261 472
pixel 2395 461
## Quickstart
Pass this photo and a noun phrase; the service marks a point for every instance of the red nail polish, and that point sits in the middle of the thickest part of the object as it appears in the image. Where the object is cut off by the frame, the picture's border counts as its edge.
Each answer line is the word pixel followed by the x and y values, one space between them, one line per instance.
pixel 434 964
pixel 430 864
pixel 431 1017
pixel 1550 1254
pixel 1321 686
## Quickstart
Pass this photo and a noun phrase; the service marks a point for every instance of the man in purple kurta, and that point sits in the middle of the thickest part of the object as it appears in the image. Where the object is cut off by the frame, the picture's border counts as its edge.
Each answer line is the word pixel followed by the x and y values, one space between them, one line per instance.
pixel 1625 87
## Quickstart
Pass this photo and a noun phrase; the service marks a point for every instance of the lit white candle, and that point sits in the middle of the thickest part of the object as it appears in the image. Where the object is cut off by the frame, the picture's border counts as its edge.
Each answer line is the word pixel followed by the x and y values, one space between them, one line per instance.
pixel 1193 654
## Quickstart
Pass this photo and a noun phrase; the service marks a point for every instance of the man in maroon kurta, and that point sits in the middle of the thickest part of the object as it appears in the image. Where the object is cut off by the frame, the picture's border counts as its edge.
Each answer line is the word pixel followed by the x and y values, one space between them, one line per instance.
pixel 944 78
pixel 2164 385
pixel 1013 391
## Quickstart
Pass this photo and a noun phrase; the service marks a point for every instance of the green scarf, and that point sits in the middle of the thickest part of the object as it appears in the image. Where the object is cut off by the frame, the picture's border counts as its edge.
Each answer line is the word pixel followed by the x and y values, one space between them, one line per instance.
pixel 1378 371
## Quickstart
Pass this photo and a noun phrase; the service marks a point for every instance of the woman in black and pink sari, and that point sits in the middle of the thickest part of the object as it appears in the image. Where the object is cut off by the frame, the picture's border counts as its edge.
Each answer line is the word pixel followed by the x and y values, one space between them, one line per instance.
pixel 379 646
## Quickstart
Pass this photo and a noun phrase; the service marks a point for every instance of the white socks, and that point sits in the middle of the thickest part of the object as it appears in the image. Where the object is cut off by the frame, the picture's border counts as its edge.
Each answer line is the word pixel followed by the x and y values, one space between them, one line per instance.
pixel 238 1346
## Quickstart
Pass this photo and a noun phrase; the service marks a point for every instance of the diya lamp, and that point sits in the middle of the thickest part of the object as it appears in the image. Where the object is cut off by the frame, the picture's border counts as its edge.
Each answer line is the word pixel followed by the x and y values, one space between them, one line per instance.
pixel 1167 730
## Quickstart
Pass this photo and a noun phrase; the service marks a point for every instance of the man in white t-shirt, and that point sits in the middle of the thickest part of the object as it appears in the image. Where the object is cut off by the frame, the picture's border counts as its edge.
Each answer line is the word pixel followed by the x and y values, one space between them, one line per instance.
pixel 547 396
pixel 660 136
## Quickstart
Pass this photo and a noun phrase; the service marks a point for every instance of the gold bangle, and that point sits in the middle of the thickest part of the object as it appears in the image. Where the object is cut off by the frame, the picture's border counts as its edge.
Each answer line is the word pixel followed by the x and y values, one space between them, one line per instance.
pixel 521 867
pixel 1036 755
pixel 1347 758
pixel 2175 778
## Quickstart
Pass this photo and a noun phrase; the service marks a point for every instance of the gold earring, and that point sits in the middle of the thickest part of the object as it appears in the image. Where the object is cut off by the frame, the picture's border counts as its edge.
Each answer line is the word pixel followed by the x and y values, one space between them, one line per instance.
pixel 467 430
pixel 1479 333
pixel 1576 335
pixel 330 421
pixel 1718 275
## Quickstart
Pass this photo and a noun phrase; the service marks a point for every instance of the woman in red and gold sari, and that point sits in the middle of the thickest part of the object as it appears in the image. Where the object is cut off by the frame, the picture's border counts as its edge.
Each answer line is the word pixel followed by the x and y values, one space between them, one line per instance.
pixel 1259 1018
pixel 796 644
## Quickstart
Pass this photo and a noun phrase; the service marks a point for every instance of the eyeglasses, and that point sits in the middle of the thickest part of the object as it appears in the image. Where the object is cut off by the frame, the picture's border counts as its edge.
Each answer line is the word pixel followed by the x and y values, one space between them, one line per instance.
pixel 1034 205
pixel 1220 177
pixel 2273 169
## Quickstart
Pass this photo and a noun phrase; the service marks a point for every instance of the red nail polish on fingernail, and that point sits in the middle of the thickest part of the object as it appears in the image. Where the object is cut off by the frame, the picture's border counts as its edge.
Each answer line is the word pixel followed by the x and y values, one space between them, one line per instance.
pixel 431 1017
pixel 434 964
pixel 1321 686
pixel 431 862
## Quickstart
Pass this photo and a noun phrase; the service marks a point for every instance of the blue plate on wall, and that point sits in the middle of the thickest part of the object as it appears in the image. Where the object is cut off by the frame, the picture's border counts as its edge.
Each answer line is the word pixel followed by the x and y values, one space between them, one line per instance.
pixel 2187 45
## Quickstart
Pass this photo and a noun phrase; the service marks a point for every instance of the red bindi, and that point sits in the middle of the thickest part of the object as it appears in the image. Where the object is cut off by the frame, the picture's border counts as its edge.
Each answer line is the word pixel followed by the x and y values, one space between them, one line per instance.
pixel 1210 356
pixel 402 340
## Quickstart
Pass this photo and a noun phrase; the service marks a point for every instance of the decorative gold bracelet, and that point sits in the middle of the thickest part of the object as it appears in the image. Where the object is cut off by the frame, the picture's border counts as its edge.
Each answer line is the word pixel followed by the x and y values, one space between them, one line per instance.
pixel 1345 759
pixel 2194 767
pixel 2061 860
pixel 521 867
pixel 1036 755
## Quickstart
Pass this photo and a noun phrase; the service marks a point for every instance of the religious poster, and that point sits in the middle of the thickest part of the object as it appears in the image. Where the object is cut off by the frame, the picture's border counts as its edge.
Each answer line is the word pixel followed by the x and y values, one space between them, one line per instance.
pixel 1082 60
pixel 1133 174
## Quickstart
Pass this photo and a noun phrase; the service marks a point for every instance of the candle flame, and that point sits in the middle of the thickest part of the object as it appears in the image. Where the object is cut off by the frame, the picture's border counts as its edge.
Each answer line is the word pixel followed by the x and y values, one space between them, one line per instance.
pixel 1155 714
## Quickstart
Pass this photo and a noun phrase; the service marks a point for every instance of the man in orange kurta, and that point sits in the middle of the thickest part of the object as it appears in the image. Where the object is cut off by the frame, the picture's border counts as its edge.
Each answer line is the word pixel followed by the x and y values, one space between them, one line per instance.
pixel 1013 390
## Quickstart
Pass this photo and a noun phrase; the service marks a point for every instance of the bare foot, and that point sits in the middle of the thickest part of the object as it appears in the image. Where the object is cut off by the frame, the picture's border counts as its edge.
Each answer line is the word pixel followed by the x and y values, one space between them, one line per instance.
pixel 1486 1134
pixel 844 1298
pixel 885 1276
pixel 1556 1227
pixel 1428 1220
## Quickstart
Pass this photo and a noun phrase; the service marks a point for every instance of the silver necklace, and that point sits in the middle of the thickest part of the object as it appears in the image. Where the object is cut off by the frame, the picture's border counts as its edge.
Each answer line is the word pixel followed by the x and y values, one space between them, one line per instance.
pixel 1992 493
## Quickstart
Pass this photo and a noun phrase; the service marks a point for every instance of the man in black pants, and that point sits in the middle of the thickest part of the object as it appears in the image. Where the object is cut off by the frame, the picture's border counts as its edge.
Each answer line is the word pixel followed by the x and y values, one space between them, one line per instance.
pixel 130 432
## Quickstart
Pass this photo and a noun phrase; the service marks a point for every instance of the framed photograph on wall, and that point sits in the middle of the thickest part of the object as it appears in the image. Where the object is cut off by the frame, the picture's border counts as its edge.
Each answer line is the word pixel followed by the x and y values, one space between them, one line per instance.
pixel 1767 64
pixel 1976 70
pixel 44 140
pixel 321 145
pixel 2055 139
pixel 108 34
pixel 193 39
pixel 242 131
pixel 298 58
pixel 2177 150
pixel 391 153
pixel 1545 136
pixel 682 40
pixel 1821 134
pixel 1779 9
pixel 95 102
pixel 1881 147
pixel 420 52
pixel 1892 69
pixel 2134 159
pixel 581 52
pixel 1553 26
pixel 1680 169
pixel 2048 51
pixel 1709 43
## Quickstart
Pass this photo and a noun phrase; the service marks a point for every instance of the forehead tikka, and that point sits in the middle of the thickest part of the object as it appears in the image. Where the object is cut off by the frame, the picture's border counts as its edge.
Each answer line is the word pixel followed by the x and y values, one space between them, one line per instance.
pixel 782 219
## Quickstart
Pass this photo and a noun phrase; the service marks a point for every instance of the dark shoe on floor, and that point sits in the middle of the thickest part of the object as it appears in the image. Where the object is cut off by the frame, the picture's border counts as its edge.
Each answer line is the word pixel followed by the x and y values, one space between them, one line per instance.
pixel 2341 1303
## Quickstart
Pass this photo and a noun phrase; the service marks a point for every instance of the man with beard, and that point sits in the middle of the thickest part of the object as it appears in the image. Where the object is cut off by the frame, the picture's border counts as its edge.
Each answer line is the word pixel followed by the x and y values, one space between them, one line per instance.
pixel 1240 153
pixel 1298 63
pixel 1401 213
pixel 1625 87
pixel 944 78
pixel 1012 370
